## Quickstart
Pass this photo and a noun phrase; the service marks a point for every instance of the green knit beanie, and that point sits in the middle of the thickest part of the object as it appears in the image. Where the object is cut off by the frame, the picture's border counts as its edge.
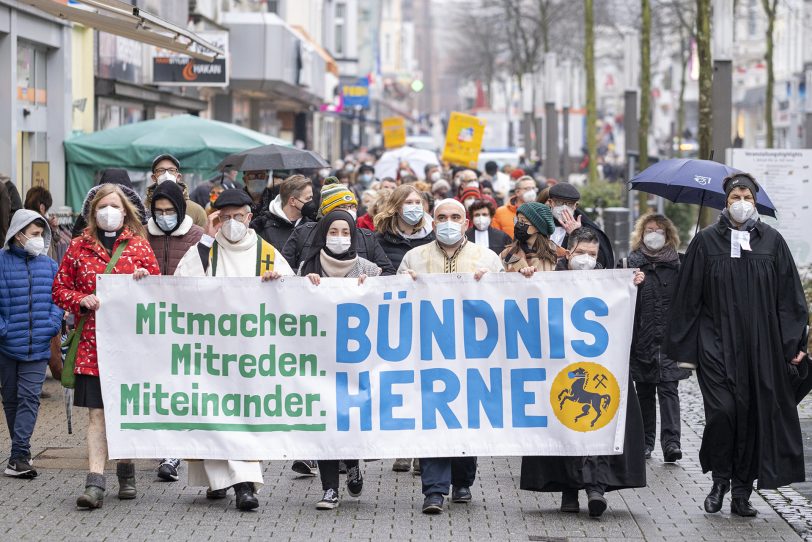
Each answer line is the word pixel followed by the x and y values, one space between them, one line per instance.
pixel 540 216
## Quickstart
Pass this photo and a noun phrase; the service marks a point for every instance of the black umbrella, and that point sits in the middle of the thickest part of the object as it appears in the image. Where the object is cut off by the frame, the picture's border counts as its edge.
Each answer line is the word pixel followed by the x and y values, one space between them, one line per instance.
pixel 272 157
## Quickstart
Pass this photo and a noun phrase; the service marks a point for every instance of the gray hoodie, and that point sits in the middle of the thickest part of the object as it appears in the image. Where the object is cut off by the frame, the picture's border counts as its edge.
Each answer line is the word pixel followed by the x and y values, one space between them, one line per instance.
pixel 20 220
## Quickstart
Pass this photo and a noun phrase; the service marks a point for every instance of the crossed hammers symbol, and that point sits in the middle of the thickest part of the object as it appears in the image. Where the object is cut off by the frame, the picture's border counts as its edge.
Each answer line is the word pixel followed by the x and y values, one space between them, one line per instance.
pixel 600 379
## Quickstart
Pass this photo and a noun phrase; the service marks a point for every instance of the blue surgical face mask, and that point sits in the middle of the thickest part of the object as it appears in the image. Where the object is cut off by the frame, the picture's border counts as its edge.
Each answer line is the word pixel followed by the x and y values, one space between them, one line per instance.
pixel 167 222
pixel 449 233
pixel 412 213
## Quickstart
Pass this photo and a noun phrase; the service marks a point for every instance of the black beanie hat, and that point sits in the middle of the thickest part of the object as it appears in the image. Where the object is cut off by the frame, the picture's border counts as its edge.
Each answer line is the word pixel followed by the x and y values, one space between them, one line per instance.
pixel 172 192
pixel 740 180
pixel 116 176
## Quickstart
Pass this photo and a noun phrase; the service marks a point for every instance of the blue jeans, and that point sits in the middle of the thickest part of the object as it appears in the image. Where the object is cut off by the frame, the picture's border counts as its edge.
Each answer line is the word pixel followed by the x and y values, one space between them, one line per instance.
pixel 438 474
pixel 21 383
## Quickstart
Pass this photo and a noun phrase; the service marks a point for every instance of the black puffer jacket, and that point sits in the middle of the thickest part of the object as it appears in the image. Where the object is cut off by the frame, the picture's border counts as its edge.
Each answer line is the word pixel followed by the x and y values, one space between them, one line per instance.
pixel 274 229
pixel 396 246
pixel 365 245
pixel 648 362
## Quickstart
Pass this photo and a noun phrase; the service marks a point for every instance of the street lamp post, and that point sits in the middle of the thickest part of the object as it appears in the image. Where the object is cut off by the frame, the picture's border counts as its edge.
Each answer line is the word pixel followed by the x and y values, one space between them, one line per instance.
pixel 551 164
pixel 722 89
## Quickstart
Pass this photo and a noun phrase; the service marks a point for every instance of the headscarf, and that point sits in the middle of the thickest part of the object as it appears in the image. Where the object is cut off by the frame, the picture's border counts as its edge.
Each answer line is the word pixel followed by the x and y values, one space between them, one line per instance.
pixel 311 262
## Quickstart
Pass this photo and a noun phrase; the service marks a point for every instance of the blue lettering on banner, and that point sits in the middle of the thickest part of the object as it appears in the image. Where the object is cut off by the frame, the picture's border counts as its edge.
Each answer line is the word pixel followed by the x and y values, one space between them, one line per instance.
pixel 345 333
pixel 529 328
pixel 555 323
pixel 442 331
pixel 490 399
pixel 579 320
pixel 403 331
pixel 391 400
pixel 473 310
pixel 438 401
pixel 362 401
pixel 521 398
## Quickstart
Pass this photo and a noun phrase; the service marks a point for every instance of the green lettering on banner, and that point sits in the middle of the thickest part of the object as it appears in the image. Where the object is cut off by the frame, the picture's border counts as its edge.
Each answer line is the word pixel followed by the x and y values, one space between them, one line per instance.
pixel 182 355
pixel 203 321
pixel 144 314
pixel 308 320
pixel 248 366
pixel 179 404
pixel 244 321
pixel 235 427
pixel 231 330
pixel 130 396
pixel 287 325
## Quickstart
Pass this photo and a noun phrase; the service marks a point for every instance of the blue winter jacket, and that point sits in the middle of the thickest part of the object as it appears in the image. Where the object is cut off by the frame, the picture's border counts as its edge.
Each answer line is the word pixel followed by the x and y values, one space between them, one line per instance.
pixel 28 316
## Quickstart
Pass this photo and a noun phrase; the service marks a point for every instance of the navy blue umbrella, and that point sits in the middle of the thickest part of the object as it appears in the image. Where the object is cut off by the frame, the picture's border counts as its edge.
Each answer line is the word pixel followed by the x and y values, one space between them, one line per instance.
pixel 684 180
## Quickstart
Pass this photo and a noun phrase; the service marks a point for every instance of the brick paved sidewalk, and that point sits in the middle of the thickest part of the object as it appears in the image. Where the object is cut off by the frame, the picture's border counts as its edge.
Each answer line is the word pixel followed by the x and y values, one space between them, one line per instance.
pixel 670 508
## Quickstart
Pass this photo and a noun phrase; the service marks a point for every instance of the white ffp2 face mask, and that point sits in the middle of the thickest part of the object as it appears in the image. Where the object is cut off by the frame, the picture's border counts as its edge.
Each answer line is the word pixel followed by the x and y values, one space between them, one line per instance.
pixel 234 230
pixel 109 218
pixel 166 176
pixel 583 262
pixel 741 211
pixel 654 240
pixel 482 222
pixel 34 246
pixel 338 244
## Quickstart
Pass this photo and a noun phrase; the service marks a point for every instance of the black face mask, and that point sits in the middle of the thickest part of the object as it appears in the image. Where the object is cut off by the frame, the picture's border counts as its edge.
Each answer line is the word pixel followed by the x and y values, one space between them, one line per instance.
pixel 520 232
pixel 310 210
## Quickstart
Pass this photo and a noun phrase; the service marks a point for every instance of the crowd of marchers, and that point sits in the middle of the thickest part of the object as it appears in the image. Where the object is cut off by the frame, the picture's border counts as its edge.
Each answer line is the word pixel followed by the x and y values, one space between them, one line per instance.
pixel 730 310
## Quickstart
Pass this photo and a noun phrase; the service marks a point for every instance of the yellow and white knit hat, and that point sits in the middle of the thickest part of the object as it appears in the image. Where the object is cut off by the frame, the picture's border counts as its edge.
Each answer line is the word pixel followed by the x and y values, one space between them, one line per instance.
pixel 334 194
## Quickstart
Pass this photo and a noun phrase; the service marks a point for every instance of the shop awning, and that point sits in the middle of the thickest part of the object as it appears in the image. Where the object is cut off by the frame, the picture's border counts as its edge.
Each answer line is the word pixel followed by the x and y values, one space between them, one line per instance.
pixel 123 19
pixel 332 66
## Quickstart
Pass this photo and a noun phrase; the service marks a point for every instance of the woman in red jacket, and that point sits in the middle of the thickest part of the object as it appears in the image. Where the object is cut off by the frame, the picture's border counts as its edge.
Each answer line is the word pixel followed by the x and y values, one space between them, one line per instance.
pixel 111 220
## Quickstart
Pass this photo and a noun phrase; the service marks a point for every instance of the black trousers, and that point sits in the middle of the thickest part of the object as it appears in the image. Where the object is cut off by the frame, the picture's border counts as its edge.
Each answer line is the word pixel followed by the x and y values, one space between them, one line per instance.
pixel 439 473
pixel 328 470
pixel 647 395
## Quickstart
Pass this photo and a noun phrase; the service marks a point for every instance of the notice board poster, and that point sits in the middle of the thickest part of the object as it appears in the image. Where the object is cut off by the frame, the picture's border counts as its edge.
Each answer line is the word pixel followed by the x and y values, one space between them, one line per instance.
pixel 786 175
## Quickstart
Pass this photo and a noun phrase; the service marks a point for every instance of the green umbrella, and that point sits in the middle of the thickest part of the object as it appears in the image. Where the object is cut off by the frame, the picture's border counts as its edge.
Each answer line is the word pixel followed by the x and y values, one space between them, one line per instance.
pixel 199 144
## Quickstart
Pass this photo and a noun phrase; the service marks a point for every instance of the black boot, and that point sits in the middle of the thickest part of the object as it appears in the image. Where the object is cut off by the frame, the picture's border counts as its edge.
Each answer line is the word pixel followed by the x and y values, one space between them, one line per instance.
pixel 713 502
pixel 126 481
pixel 569 501
pixel 93 497
pixel 246 499
pixel 742 507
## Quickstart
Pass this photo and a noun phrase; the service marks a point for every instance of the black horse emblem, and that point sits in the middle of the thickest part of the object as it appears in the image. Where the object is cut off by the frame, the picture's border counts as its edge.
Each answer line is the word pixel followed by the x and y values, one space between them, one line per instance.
pixel 578 394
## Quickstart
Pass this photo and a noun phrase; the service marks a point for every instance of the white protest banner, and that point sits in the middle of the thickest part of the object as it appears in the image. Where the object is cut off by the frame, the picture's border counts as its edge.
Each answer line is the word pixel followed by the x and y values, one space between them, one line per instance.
pixel 232 368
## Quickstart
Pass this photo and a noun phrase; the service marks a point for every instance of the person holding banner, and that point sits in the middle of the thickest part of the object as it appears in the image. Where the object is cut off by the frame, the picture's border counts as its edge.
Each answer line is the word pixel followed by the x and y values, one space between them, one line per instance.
pixel 334 196
pixel 563 200
pixel 654 242
pixel 594 474
pixel 450 253
pixel 402 223
pixel 740 319
pixel 337 258
pixel 231 249
pixel 532 247
pixel 114 238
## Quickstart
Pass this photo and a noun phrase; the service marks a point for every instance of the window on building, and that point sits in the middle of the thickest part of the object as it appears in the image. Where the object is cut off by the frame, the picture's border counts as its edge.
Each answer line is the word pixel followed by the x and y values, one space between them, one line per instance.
pixel 32 82
pixel 340 24
pixel 752 14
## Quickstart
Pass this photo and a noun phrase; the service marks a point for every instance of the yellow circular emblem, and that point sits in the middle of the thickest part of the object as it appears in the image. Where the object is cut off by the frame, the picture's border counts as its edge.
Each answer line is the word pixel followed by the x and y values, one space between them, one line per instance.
pixel 585 396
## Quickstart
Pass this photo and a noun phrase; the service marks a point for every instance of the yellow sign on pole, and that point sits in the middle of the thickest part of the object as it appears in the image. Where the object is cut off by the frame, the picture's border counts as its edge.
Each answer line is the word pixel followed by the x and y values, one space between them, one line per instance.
pixel 41 174
pixel 463 140
pixel 394 132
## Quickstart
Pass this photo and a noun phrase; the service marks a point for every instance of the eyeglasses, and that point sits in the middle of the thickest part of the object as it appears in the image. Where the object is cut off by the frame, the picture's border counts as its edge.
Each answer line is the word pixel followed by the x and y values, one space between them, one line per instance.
pixel 660 231
pixel 167 212
pixel 239 217
pixel 170 170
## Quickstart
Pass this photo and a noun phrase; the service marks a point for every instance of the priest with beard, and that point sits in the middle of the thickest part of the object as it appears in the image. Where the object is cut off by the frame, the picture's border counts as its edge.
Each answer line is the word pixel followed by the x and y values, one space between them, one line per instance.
pixel 739 317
